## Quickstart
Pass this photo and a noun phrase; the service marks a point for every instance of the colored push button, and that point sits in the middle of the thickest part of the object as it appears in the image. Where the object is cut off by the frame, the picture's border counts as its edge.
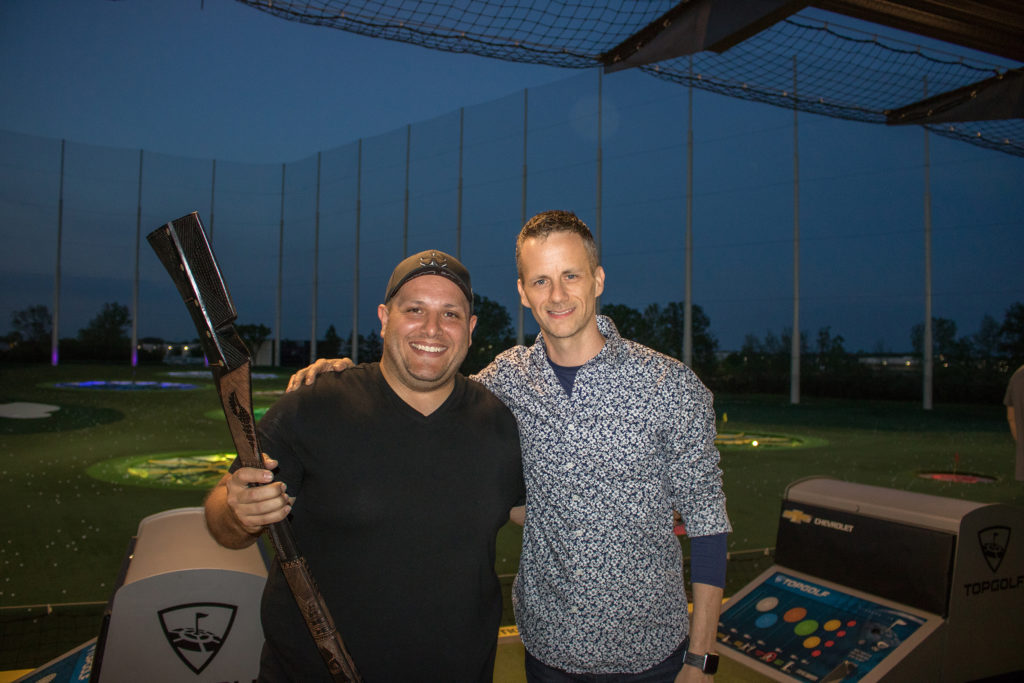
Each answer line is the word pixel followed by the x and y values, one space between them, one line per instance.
pixel 766 620
pixel 794 615
pixel 806 627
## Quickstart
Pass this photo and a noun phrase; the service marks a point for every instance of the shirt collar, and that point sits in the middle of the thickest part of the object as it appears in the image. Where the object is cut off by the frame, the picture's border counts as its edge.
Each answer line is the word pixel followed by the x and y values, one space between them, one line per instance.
pixel 613 348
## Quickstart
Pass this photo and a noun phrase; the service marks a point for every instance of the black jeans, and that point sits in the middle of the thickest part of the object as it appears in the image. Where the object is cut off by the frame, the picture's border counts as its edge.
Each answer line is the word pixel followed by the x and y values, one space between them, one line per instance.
pixel 663 672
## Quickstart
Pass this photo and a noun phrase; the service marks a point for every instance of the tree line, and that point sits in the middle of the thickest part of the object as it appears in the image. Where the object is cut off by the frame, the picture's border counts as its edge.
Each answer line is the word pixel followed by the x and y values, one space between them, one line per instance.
pixel 971 367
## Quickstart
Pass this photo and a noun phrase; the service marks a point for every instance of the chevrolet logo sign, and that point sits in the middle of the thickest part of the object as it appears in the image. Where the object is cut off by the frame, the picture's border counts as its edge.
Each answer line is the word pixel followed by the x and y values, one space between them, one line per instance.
pixel 797 516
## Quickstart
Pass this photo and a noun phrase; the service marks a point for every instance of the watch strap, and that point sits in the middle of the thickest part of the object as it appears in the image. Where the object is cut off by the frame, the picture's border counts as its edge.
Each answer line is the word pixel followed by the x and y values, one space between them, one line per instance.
pixel 707 663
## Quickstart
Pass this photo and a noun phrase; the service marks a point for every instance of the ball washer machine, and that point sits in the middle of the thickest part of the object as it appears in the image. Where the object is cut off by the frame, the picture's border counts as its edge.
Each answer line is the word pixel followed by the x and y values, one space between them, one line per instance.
pixel 878 584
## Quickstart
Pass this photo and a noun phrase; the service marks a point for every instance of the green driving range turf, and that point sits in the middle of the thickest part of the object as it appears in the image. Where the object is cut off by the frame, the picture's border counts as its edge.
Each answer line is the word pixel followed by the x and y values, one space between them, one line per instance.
pixel 78 481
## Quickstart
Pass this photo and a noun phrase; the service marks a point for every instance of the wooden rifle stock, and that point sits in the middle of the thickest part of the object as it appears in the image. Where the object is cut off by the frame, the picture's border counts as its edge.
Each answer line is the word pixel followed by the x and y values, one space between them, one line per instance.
pixel 182 247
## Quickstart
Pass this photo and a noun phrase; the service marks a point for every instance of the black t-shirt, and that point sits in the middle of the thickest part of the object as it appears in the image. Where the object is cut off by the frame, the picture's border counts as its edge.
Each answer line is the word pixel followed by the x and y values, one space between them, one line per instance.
pixel 396 514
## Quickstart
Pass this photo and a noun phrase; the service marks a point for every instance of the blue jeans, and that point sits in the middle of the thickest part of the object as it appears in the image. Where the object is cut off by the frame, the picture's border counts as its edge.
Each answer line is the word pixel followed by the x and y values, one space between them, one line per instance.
pixel 663 672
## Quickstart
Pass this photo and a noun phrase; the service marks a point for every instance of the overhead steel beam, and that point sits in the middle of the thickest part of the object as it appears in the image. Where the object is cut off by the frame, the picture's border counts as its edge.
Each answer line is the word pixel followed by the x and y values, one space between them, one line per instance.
pixel 995 27
pixel 996 98
pixel 992 26
pixel 694 26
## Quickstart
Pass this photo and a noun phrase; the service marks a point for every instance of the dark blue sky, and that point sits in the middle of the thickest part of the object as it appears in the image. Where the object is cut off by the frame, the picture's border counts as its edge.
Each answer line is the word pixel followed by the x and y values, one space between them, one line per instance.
pixel 221 80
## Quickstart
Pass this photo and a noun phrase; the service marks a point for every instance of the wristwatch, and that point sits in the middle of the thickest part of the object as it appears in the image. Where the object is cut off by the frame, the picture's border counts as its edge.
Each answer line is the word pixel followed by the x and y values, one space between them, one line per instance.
pixel 708 662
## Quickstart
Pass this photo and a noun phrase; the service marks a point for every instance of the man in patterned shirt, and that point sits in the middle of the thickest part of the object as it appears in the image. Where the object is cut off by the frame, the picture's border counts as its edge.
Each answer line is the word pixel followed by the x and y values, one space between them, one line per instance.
pixel 615 437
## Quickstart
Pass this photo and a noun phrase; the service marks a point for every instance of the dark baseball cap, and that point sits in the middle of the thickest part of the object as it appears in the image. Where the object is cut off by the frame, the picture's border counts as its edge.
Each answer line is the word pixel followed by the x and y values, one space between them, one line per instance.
pixel 430 262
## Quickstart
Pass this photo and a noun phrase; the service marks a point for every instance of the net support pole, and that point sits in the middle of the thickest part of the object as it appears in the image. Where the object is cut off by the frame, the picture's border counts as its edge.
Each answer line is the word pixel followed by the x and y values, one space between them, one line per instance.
pixel 688 246
pixel 280 274
pixel 316 262
pixel 458 201
pixel 355 263
pixel 929 360
pixel 600 173
pixel 794 349
pixel 405 210
pixel 213 194
pixel 521 317
pixel 135 278
pixel 55 330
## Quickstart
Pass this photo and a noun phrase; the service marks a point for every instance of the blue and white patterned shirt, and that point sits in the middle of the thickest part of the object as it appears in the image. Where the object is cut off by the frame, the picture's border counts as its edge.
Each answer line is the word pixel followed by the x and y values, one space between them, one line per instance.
pixel 600 583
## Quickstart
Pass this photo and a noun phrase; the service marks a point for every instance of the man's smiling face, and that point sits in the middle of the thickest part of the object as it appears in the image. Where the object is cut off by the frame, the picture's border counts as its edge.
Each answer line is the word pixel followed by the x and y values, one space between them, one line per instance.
pixel 427 329
pixel 559 284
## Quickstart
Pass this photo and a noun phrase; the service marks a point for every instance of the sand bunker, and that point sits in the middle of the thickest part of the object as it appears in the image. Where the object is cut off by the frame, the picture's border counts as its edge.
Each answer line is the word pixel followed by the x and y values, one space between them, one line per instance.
pixel 27 411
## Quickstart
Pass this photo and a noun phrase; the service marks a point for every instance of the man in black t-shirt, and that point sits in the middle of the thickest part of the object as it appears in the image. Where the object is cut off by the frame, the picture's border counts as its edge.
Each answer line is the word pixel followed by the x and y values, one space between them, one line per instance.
pixel 353 456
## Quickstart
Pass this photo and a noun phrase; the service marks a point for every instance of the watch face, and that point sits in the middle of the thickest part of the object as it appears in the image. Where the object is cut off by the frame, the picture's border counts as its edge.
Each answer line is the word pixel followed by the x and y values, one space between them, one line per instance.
pixel 707 663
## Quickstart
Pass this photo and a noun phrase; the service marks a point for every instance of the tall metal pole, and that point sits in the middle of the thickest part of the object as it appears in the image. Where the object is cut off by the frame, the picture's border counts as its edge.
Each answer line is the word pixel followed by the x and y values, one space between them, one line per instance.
pixel 213 194
pixel 355 265
pixel 135 280
pixel 280 275
pixel 316 261
pixel 55 331
pixel 458 208
pixel 794 350
pixel 521 318
pixel 929 361
pixel 600 171
pixel 688 256
pixel 405 217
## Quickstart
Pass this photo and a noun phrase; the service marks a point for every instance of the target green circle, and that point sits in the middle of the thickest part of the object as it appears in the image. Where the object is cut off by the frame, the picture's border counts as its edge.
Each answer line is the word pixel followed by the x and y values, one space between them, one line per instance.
pixel 764 440
pixel 185 470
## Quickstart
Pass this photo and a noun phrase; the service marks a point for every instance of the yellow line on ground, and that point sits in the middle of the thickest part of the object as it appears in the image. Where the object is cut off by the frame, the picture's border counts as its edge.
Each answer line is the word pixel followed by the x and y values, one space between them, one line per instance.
pixel 505 634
